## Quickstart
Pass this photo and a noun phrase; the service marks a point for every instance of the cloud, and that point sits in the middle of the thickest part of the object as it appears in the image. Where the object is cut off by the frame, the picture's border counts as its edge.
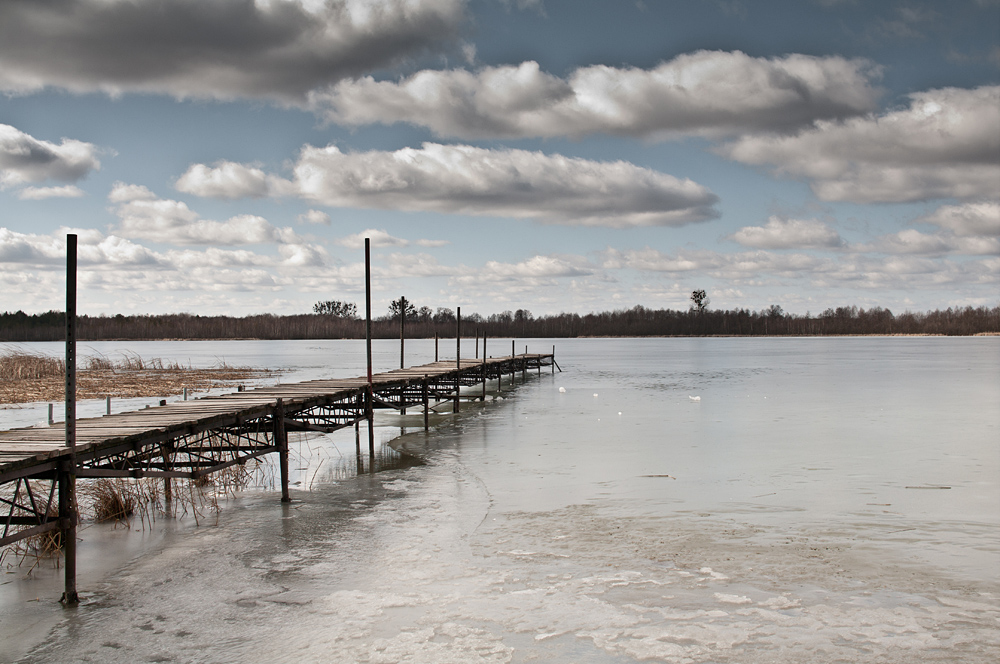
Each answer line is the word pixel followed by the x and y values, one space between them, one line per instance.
pixel 227 179
pixel 536 267
pixel 377 238
pixel 911 241
pixel 314 217
pixel 846 271
pixel 704 93
pixel 224 49
pixel 968 219
pixel 143 215
pixel 788 234
pixel 41 193
pixel 380 238
pixel 946 144
pixel 93 249
pixel 461 179
pixel 25 159
pixel 403 266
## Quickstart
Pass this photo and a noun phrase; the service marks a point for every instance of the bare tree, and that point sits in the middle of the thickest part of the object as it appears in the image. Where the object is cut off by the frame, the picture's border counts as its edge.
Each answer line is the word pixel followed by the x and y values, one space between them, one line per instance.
pixel 700 301
pixel 336 308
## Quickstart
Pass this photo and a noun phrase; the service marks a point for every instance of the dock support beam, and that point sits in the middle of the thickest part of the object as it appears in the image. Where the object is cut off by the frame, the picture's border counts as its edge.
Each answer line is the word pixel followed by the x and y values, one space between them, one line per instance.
pixel 281 442
pixel 67 474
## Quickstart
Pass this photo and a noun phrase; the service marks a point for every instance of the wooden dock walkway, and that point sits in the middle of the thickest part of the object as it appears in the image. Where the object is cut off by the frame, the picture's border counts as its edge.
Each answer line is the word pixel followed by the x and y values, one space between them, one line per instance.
pixel 191 439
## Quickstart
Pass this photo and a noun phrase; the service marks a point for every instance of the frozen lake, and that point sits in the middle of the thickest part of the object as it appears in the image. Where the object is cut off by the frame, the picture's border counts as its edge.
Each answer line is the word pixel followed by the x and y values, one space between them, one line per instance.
pixel 825 500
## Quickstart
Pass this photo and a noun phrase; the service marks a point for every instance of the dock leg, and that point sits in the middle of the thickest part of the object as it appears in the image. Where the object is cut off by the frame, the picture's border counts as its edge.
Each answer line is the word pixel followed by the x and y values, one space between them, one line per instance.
pixel 168 494
pixel 427 409
pixel 67 518
pixel 484 367
pixel 370 409
pixel 357 446
pixel 281 441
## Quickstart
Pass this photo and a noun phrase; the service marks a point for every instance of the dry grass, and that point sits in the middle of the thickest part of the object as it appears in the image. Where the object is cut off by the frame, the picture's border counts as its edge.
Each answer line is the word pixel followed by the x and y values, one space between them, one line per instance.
pixel 28 377
pixel 113 500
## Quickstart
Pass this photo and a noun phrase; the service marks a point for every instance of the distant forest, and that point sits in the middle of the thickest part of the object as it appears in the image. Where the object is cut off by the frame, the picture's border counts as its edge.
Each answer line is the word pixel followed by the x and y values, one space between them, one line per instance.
pixel 341 322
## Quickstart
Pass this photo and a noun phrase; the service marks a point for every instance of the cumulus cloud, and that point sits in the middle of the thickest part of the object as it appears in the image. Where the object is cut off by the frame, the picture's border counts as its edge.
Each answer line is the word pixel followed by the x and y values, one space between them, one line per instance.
pixel 50 250
pixel 403 266
pixel 946 144
pixel 224 49
pixel 537 267
pixel 911 241
pixel 980 218
pixel 788 234
pixel 377 238
pixel 380 238
pixel 227 179
pixel 41 193
pixel 704 93
pixel 314 217
pixel 26 159
pixel 143 215
pixel 852 270
pixel 461 179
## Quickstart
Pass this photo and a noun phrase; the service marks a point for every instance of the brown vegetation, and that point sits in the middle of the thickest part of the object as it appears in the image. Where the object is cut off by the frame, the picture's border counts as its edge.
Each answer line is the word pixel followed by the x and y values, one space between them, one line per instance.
pixel 27 377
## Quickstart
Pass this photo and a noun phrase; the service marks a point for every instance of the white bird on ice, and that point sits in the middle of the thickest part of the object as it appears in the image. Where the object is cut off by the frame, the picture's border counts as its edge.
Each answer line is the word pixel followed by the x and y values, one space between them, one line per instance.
pixel 562 390
pixel 694 398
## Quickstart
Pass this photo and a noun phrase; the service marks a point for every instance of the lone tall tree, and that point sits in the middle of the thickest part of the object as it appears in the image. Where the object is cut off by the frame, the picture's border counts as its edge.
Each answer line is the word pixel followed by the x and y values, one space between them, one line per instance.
pixel 336 308
pixel 700 301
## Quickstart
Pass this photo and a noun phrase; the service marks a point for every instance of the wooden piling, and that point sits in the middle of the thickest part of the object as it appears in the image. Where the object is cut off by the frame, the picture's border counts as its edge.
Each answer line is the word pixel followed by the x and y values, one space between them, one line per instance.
pixel 402 330
pixel 357 446
pixel 484 365
pixel 458 355
pixel 426 400
pixel 281 442
pixel 369 395
pixel 67 475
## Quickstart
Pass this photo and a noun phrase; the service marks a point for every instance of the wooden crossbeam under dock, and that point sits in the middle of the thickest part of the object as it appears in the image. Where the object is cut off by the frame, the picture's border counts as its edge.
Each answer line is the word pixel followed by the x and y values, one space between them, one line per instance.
pixel 191 439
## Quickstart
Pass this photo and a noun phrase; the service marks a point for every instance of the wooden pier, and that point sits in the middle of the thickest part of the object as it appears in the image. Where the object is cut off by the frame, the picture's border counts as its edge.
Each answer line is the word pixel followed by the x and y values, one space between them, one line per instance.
pixel 192 439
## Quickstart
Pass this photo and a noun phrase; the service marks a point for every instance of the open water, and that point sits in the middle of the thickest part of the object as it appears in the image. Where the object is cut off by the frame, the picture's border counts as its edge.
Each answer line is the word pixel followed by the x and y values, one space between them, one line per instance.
pixel 825 500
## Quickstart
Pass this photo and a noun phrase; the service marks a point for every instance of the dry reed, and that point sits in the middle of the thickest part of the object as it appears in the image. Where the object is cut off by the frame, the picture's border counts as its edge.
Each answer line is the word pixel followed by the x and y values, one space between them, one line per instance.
pixel 29 377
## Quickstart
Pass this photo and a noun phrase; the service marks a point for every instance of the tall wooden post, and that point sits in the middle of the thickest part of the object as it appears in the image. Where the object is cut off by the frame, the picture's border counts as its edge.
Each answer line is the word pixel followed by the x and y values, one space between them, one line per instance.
pixel 402 337
pixel 435 346
pixel 281 442
pixel 477 343
pixel 513 363
pixel 458 355
pixel 402 328
pixel 67 474
pixel 484 365
pixel 369 396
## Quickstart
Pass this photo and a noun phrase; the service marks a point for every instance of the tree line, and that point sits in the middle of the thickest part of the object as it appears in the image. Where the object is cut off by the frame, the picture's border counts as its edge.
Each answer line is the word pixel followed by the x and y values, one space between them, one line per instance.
pixel 423 322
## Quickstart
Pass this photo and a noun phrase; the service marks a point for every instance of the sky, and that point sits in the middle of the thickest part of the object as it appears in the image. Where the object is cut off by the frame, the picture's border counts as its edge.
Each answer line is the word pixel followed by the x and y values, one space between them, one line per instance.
pixel 230 156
